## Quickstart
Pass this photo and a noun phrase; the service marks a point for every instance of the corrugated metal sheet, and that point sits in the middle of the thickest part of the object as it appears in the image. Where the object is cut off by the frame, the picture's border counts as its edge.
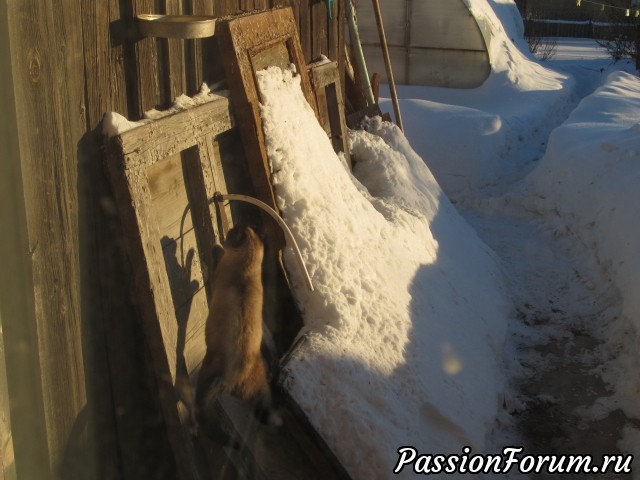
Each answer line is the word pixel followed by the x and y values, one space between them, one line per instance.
pixel 431 42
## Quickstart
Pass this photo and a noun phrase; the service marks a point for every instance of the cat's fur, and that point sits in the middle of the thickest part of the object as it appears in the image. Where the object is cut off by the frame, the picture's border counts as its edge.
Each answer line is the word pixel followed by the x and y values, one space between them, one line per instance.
pixel 233 362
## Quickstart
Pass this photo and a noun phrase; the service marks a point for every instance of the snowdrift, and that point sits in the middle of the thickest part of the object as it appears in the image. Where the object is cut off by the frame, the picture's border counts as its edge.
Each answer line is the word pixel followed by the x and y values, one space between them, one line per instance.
pixel 404 331
pixel 470 137
pixel 588 180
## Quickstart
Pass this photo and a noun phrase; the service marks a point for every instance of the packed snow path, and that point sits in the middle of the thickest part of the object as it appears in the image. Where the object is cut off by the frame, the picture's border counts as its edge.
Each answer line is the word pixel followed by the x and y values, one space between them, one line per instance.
pixel 547 175
pixel 561 314
pixel 567 306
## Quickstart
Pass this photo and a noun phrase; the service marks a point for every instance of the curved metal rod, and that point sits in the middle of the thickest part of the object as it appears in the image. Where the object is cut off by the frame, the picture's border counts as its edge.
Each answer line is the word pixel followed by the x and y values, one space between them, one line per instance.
pixel 220 197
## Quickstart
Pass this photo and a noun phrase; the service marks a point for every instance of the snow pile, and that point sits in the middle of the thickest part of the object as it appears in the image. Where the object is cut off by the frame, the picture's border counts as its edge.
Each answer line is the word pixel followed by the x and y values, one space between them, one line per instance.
pixel 468 137
pixel 480 143
pixel 589 178
pixel 114 124
pixel 405 327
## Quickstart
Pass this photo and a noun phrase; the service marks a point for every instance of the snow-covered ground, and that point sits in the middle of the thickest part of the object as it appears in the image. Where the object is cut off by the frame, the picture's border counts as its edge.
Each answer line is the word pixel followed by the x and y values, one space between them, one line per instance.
pixel 417 332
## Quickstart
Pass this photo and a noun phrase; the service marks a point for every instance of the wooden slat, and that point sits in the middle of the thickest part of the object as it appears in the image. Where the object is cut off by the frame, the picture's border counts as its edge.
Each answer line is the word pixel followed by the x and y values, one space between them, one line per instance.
pixel 154 299
pixel 200 186
pixel 319 39
pixel 304 25
pixel 195 51
pixel 16 276
pixel 195 347
pixel 175 133
pixel 147 93
pixel 334 32
pixel 184 271
pixel 44 72
pixel 326 83
pixel 337 121
pixel 275 55
pixel 323 112
pixel 172 63
pixel 223 8
pixel 338 52
pixel 323 74
pixel 121 403
pixel 169 198
pixel 214 181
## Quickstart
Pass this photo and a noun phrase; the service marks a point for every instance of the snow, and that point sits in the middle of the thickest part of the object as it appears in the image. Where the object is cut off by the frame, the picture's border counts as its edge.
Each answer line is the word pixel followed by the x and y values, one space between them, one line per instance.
pixel 520 101
pixel 589 177
pixel 415 333
pixel 395 312
pixel 114 124
pixel 457 256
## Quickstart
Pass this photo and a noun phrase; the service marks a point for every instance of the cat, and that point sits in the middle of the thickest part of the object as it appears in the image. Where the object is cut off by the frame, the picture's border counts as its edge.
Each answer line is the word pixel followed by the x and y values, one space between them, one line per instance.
pixel 233 362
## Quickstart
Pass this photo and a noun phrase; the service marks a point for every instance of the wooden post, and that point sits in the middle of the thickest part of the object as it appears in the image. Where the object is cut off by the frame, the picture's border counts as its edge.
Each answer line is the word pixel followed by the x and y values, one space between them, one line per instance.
pixel 387 63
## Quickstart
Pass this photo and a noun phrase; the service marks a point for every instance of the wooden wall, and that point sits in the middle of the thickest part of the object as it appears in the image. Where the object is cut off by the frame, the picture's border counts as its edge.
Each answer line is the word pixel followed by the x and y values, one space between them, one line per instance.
pixel 78 379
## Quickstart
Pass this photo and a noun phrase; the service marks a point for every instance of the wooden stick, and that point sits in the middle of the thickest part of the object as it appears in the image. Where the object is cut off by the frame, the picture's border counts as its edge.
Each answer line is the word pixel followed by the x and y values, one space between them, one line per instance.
pixel 387 63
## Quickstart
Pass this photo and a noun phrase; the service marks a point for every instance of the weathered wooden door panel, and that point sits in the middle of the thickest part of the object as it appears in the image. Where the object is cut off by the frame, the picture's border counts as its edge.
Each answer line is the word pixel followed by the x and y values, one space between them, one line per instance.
pixel 248 44
pixel 326 83
pixel 163 174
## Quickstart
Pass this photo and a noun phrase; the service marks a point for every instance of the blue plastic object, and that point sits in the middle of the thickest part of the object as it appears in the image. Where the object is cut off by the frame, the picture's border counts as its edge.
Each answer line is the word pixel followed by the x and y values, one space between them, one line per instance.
pixel 329 7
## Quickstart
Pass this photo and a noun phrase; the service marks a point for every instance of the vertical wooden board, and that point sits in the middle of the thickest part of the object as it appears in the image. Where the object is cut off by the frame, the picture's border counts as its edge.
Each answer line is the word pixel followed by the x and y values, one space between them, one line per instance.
pixel 323 112
pixel 45 49
pixel 103 36
pixel 196 50
pixel 337 121
pixel 16 279
pixel 318 30
pixel 154 300
pixel 339 51
pixel 7 460
pixel 230 174
pixel 172 59
pixel 144 91
pixel 223 8
pixel 276 55
pixel 133 440
pixel 326 84
pixel 154 296
pixel 333 32
pixel 214 181
pixel 184 271
pixel 195 347
pixel 183 253
pixel 169 198
pixel 200 190
pixel 305 30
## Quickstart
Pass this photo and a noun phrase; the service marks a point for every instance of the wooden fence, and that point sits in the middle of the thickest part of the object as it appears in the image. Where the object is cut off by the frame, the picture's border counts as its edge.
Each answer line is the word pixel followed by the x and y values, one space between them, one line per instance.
pixel 540 27
pixel 79 386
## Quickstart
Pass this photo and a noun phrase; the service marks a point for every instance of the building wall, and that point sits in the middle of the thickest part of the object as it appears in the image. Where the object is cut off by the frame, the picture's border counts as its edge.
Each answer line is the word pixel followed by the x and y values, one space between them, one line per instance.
pixel 80 393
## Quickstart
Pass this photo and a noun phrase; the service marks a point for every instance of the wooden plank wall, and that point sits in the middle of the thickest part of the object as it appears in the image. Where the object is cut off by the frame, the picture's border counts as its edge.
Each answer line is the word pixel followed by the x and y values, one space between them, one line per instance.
pixel 77 364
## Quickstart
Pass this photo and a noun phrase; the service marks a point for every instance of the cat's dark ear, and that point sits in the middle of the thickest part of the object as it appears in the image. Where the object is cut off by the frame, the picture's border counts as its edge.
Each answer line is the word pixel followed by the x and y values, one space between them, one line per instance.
pixel 237 235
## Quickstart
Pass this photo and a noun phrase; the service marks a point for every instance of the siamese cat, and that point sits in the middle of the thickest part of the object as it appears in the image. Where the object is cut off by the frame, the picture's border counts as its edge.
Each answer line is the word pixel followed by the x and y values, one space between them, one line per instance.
pixel 234 363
